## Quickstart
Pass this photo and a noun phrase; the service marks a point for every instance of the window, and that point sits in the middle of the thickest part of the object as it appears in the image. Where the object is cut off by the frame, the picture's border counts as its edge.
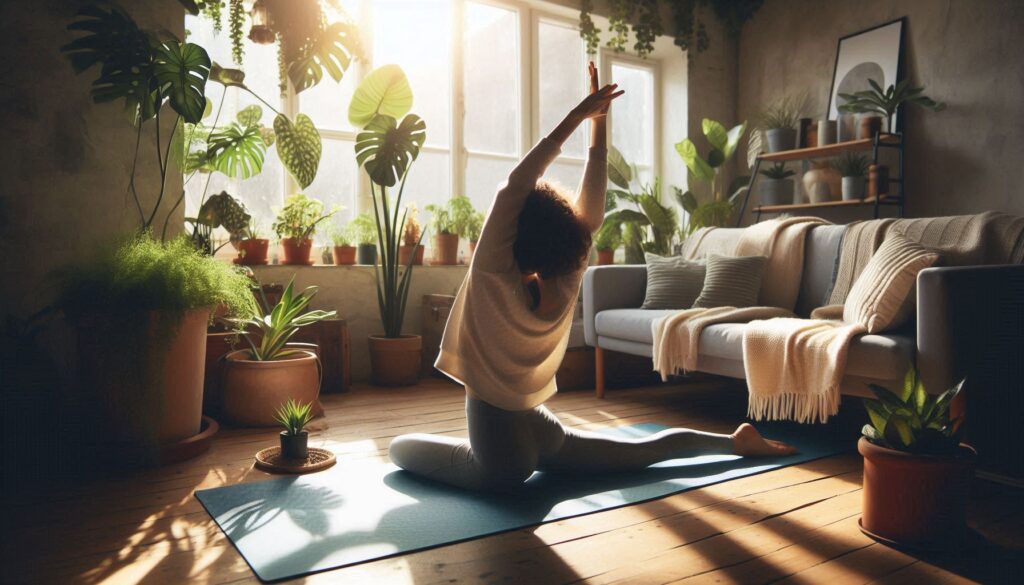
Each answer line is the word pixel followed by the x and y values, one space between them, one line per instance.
pixel 490 78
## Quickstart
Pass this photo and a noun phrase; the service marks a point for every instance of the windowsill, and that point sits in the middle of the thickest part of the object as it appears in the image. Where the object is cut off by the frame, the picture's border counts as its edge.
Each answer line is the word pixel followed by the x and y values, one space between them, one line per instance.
pixel 356 266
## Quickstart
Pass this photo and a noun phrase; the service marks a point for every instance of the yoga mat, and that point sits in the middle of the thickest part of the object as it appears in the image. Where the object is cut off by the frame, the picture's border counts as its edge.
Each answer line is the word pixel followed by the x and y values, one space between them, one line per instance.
pixel 362 511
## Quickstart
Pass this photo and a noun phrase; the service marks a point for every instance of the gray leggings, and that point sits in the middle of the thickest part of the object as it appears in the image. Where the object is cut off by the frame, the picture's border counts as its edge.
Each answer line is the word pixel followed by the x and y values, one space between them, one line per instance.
pixel 505 447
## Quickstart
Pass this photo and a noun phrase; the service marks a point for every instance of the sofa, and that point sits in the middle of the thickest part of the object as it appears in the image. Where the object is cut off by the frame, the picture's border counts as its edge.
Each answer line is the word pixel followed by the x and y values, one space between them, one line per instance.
pixel 946 296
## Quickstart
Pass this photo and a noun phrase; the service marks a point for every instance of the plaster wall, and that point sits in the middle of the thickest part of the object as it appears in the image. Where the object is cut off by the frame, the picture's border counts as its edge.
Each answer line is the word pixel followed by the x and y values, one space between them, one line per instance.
pixel 965 159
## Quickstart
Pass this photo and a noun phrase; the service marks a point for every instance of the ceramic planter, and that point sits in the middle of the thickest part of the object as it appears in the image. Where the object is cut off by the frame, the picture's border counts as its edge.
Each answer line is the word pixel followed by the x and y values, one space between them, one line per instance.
pixel 252 252
pixel 915 500
pixel 366 254
pixel 254 390
pixel 296 251
pixel 344 255
pixel 846 128
pixel 822 183
pixel 294 446
pixel 826 132
pixel 404 252
pixel 776 191
pixel 395 361
pixel 605 257
pixel 853 188
pixel 780 139
pixel 446 249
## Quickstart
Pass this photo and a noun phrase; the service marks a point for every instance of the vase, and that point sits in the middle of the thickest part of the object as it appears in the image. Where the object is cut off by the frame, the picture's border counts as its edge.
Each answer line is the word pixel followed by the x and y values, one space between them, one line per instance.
pixel 780 139
pixel 822 183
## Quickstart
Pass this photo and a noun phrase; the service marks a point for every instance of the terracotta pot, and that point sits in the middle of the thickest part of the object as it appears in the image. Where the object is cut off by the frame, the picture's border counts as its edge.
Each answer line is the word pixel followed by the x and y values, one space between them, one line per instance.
pixel 395 361
pixel 605 257
pixel 812 135
pixel 167 409
pixel 252 252
pixel 446 249
pixel 405 251
pixel 217 346
pixel 915 500
pixel 869 126
pixel 822 183
pixel 296 252
pixel 344 255
pixel 254 390
pixel 367 254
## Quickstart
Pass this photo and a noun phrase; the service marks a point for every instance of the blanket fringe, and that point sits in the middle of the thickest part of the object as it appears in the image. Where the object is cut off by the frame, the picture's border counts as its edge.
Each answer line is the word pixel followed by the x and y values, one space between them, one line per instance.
pixel 802 408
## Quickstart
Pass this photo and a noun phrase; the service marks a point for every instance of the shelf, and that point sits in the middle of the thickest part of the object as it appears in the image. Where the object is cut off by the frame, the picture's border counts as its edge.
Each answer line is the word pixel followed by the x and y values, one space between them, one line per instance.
pixel 830 149
pixel 803 206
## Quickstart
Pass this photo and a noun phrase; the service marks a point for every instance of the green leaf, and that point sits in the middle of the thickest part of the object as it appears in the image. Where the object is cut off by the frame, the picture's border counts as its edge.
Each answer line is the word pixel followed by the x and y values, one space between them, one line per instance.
pixel 385 91
pixel 898 432
pixel 619 171
pixel 332 50
pixel 700 169
pixel 890 400
pixel 715 133
pixel 237 151
pixel 878 414
pixel 386 148
pixel 250 116
pixel 299 147
pixel 872 434
pixel 733 139
pixel 627 216
pixel 182 71
pixel 227 77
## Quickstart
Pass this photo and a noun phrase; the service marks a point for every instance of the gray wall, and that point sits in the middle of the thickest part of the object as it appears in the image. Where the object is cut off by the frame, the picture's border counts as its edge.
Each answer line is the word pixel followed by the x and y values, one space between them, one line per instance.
pixel 965 159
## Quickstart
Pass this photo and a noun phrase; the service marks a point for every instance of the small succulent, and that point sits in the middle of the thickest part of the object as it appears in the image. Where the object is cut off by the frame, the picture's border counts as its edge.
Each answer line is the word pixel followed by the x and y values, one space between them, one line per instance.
pixel 778 171
pixel 293 416
pixel 914 420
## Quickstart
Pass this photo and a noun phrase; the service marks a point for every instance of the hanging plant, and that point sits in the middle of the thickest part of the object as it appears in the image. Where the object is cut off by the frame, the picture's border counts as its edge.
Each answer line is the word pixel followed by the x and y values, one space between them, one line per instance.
pixel 621 13
pixel 588 30
pixel 236 24
pixel 647 27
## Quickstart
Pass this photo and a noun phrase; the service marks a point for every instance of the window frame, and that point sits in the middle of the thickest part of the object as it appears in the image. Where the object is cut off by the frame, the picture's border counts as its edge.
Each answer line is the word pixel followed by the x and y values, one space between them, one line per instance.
pixel 610 58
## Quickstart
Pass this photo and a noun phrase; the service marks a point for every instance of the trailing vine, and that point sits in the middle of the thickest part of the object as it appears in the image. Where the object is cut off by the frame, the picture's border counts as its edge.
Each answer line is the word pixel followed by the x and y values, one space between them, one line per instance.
pixel 588 30
pixel 647 27
pixel 621 14
pixel 213 10
pixel 236 24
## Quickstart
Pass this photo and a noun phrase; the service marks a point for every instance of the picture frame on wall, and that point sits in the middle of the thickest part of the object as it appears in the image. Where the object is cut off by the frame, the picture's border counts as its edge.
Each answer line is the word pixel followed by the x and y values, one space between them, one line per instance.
pixel 875 53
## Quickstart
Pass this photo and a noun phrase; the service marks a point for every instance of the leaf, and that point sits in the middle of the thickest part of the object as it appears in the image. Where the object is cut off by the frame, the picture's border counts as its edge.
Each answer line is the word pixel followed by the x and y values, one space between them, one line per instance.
pixel 715 133
pixel 627 216
pixel 733 139
pixel 331 50
pixel 619 171
pixel 737 187
pixel 700 169
pixel 250 115
pixel 898 433
pixel 386 148
pixel 385 91
pixel 227 77
pixel 878 414
pixel 299 147
pixel 872 434
pixel 686 200
pixel 268 136
pixel 182 71
pixel 890 400
pixel 237 151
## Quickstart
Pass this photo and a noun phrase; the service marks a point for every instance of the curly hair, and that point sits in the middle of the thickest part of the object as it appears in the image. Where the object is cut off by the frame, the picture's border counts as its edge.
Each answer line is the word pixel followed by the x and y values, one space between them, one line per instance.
pixel 551 239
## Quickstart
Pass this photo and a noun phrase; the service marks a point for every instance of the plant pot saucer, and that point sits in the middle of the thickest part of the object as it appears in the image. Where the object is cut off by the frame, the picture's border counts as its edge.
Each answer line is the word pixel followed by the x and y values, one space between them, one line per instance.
pixel 933 546
pixel 191 447
pixel 270 460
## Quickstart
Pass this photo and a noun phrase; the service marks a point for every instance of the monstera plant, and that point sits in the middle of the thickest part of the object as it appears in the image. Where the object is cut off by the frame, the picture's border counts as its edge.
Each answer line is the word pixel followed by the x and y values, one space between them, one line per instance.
pixel 719 208
pixel 390 140
pixel 650 226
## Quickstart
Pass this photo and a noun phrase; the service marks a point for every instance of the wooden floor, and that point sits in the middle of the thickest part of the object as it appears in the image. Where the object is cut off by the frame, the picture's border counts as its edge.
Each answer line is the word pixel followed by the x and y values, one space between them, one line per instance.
pixel 793 525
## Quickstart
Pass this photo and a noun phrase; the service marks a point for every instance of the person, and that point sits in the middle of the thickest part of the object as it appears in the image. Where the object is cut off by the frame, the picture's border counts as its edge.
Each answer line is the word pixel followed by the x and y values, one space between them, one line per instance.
pixel 509 327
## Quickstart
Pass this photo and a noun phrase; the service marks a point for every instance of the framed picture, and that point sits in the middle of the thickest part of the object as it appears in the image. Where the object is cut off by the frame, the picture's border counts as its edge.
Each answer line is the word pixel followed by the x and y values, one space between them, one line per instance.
pixel 875 53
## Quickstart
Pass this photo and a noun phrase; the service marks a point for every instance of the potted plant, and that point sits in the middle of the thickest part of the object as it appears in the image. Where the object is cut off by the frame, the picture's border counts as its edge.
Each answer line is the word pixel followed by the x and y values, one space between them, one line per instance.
pixel 651 226
pixel 779 122
pixel 364 232
pixel 606 240
pixel 411 237
pixel 854 169
pixel 386 149
pixel 293 416
pixel 296 224
pixel 777 186
pixel 272 370
pixel 344 251
pixel 718 210
pixel 886 102
pixel 252 247
pixel 474 226
pixel 141 309
pixel 917 473
pixel 446 235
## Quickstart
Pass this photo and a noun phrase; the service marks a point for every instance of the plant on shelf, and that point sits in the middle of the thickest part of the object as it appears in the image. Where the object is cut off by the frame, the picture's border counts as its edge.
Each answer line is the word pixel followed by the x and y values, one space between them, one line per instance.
pixel 718 210
pixel 343 250
pixel 364 232
pixel 411 237
pixel 853 168
pixel 448 222
pixel 218 211
pixel 912 453
pixel 474 226
pixel 294 416
pixel 886 102
pixel 296 224
pixel 650 226
pixel 273 368
pixel 253 246
pixel 606 241
pixel 778 171
pixel 388 143
pixel 777 187
pixel 778 122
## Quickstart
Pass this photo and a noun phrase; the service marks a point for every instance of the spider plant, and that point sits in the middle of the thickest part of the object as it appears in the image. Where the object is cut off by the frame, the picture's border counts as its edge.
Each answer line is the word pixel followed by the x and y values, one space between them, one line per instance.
pixel 283 322
pixel 293 416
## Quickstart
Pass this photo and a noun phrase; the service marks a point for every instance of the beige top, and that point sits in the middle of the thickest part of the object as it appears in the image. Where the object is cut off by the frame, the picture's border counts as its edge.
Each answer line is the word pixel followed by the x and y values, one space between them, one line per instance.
pixel 494 343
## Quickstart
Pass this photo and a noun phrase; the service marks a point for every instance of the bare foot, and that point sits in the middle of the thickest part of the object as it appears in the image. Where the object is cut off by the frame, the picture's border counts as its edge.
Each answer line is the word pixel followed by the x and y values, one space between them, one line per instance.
pixel 746 441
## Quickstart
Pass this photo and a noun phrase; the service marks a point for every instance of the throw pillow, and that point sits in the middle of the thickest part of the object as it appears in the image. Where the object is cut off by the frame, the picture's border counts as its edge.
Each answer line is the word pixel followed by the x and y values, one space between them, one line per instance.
pixel 731 281
pixel 672 283
pixel 880 298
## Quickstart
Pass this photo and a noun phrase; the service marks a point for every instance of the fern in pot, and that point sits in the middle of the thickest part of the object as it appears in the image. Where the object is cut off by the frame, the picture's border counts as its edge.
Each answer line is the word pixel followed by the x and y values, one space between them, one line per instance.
pixel 296 225
pixel 273 369
pixel 917 473
pixel 777 185
pixel 386 147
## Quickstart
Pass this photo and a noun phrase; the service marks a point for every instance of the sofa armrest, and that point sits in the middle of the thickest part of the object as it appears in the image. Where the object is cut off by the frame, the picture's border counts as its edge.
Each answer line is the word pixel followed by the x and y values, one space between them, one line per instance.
pixel 970 320
pixel 611 287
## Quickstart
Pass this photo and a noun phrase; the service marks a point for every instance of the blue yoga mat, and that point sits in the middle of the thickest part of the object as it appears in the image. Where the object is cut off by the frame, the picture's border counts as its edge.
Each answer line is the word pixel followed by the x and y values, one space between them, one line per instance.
pixel 363 511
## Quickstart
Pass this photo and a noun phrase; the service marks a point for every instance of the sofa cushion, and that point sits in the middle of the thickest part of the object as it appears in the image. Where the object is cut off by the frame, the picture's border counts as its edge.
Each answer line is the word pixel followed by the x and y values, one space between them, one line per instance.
pixel 821 250
pixel 629 324
pixel 881 298
pixel 881 357
pixel 672 283
pixel 731 281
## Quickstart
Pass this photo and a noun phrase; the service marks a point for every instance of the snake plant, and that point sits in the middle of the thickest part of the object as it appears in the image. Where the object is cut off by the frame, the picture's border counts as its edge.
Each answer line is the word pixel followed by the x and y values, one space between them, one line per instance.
pixel 913 420
pixel 283 322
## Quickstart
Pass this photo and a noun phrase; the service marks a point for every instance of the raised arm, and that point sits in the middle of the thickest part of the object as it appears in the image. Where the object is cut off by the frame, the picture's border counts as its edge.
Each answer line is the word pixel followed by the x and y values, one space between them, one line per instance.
pixel 590 200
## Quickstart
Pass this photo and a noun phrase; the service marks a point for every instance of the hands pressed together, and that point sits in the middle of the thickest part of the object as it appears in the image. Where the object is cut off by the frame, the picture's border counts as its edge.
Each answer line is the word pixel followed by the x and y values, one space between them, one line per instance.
pixel 596 104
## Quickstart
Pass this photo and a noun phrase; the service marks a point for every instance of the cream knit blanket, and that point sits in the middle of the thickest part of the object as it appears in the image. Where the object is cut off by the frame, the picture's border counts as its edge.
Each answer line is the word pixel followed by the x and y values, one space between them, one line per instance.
pixel 677 336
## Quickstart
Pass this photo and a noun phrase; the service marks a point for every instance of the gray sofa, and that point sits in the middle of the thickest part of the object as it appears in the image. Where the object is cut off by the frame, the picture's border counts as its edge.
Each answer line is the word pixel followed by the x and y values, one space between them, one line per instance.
pixel 612 319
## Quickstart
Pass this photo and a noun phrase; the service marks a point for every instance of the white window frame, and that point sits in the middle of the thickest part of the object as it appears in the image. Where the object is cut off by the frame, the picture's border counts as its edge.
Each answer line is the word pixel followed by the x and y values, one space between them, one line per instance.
pixel 609 58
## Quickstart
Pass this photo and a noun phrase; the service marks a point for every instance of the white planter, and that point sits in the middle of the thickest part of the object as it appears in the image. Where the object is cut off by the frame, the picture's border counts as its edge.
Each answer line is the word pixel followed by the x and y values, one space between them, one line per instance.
pixel 853 188
pixel 780 139
pixel 776 191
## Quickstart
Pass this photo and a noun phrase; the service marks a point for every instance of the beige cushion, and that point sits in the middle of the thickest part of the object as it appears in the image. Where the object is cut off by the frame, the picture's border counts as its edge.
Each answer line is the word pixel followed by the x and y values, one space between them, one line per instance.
pixel 731 282
pixel 880 298
pixel 672 283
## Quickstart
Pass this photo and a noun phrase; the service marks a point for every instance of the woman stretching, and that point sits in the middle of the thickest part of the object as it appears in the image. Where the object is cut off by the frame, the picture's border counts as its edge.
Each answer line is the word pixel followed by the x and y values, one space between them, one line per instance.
pixel 508 330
